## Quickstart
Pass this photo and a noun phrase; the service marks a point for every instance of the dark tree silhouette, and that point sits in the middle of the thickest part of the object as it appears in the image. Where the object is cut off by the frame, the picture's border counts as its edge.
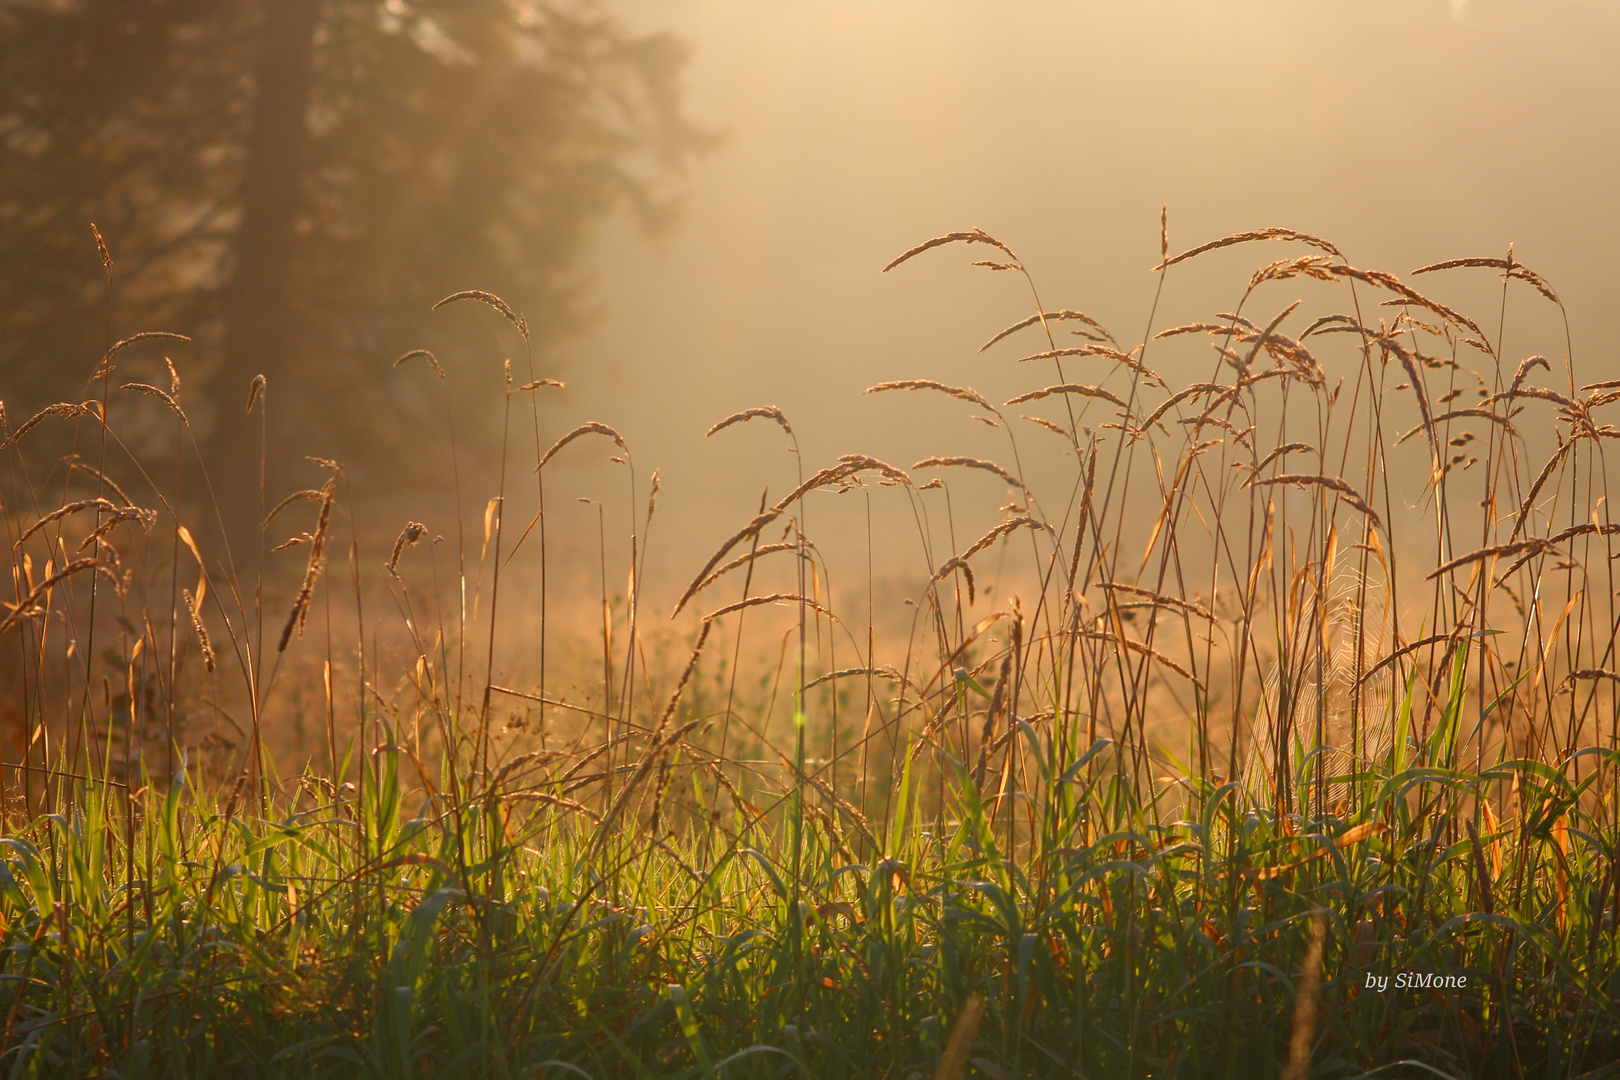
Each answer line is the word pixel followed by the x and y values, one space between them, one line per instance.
pixel 294 183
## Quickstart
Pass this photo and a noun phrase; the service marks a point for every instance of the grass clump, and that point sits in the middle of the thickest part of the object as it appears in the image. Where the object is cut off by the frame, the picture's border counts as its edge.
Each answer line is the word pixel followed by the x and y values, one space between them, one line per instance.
pixel 1225 786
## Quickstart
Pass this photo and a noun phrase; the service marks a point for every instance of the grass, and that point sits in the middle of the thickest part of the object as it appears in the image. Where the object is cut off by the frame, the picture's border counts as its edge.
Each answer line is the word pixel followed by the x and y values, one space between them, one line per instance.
pixel 1211 771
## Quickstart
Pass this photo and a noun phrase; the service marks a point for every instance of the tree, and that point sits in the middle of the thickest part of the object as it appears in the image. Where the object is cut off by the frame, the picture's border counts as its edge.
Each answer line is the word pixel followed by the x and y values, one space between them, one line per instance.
pixel 295 182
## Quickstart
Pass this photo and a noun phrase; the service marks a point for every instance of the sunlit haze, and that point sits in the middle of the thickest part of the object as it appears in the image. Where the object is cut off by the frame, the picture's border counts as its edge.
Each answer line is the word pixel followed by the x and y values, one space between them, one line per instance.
pixel 1406 132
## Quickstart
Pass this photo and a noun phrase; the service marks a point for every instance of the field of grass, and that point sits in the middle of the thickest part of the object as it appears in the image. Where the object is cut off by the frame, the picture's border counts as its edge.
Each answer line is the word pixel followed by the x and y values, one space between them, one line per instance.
pixel 1287 749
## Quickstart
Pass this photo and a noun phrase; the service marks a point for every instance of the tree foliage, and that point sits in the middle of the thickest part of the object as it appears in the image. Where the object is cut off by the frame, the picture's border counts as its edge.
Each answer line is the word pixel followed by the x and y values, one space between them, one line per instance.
pixel 295 182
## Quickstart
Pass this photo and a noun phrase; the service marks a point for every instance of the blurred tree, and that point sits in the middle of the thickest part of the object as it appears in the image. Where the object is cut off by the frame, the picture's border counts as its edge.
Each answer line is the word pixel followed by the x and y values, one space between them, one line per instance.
pixel 295 182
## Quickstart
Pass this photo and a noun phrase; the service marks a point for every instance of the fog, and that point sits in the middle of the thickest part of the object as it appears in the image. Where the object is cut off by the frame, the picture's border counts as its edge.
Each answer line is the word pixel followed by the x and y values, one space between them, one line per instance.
pixel 1406 132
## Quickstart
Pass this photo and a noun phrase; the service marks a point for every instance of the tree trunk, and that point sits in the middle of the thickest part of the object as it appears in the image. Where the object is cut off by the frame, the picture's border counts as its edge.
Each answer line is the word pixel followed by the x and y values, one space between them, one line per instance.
pixel 263 318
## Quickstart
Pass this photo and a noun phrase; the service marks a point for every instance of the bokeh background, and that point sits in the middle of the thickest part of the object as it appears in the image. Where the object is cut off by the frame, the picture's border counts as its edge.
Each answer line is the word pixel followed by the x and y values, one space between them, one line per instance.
pixel 788 150
pixel 1407 132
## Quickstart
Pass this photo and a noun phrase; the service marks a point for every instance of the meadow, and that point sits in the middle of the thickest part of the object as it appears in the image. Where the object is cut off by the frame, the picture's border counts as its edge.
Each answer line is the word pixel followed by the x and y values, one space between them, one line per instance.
pixel 1283 743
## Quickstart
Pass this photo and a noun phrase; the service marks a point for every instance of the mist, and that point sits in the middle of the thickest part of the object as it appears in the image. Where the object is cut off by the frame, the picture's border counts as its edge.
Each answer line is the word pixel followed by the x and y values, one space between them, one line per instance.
pixel 1406 133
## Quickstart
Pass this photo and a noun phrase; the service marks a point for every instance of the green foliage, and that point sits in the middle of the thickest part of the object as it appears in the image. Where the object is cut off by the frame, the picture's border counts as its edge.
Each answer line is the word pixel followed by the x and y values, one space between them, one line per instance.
pixel 289 946
pixel 1011 872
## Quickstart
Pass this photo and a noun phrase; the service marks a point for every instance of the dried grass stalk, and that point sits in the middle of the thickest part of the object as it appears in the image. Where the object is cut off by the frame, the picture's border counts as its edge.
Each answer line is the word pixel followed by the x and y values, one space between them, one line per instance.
pixel 973 236
pixel 1540 393
pixel 256 389
pixel 1453 264
pixel 1161 599
pixel 953 1062
pixel 768 412
pixel 1070 388
pixel 493 301
pixel 746 532
pixel 61 512
pixel 1048 425
pixel 312 571
pixel 204 642
pixel 773 598
pixel 1584 530
pixel 106 365
pixel 1460 414
pixel 1247 237
pixel 1511 268
pixel 1415 381
pixel 1592 673
pixel 662 739
pixel 1314 266
pixel 61 408
pixel 433 361
pixel 1143 649
pixel 1535 280
pixel 1286 448
pixel 1227 329
pixel 1395 285
pixel 1195 390
pixel 26 607
pixel 1432 639
pixel 146 518
pixel 1333 483
pixel 1535 488
pixel 961 393
pixel 848 465
pixel 161 395
pixel 997 699
pixel 1262 339
pixel 412 533
pixel 1481 871
pixel 310 494
pixel 970 463
pixel 951 566
pixel 1127 359
pixel 1056 316
pixel 1534 546
pixel 998 531
pixel 845 673
pixel 744 560
pixel 1307 1004
pixel 590 428
pixel 99 476
pixel 101 247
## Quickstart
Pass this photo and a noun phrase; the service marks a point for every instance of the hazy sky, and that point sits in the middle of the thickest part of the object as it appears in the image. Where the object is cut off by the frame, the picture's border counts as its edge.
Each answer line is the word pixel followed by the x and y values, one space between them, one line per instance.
pixel 1408 131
